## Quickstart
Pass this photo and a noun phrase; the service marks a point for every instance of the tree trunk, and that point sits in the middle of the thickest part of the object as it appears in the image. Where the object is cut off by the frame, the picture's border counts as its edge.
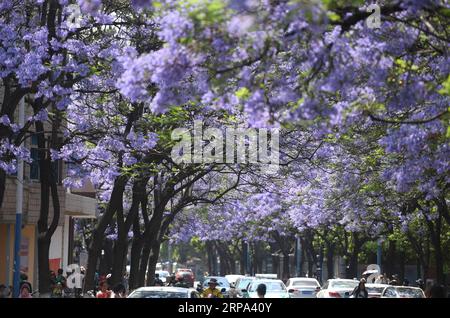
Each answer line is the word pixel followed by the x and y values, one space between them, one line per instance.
pixel 352 269
pixel 99 231
pixel 143 265
pixel 435 231
pixel 401 272
pixel 48 187
pixel 43 246
pixel 124 226
pixel 152 261
pixel 330 259
pixel 391 259
pixel 119 258
pixel 136 250
pixel 286 268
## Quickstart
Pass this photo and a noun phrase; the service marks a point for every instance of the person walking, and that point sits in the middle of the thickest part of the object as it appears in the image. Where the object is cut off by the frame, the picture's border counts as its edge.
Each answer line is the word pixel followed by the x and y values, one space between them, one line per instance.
pixel 158 281
pixel 360 291
pixel 104 291
pixel 261 290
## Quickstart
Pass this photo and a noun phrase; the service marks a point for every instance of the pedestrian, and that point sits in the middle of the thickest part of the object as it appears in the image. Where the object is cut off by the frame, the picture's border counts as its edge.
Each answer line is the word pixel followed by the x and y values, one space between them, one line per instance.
pixel 79 283
pixel 379 280
pixel 394 281
pixel 420 284
pixel 60 278
pixel 25 290
pixel 158 281
pixel 104 292
pixel 55 288
pixel 119 291
pixel 261 290
pixel 233 293
pixel 360 291
pixel 171 281
pixel 436 291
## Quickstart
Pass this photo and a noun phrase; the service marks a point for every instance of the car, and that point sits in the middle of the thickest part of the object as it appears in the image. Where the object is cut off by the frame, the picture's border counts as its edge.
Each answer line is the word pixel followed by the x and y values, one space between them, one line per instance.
pixel 164 292
pixel 337 288
pixel 275 288
pixel 187 275
pixel 233 278
pixel 242 286
pixel 402 292
pixel 375 290
pixel 303 287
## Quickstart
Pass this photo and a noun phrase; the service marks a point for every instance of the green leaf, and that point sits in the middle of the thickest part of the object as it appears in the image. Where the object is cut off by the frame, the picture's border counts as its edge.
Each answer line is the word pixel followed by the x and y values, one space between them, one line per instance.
pixel 243 93
pixel 333 16
pixel 446 87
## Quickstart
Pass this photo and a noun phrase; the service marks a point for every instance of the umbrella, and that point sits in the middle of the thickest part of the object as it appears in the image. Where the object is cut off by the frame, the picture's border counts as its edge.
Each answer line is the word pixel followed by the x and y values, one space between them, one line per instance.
pixel 371 271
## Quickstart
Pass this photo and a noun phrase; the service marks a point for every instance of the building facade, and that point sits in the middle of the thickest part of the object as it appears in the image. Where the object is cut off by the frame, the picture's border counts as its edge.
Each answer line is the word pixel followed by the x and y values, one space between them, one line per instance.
pixel 74 203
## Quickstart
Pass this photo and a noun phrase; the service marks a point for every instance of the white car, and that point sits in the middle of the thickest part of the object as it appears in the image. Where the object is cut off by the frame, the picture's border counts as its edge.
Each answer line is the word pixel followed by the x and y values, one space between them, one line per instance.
pixel 337 288
pixel 375 290
pixel 303 287
pixel 275 288
pixel 402 292
pixel 164 292
pixel 233 278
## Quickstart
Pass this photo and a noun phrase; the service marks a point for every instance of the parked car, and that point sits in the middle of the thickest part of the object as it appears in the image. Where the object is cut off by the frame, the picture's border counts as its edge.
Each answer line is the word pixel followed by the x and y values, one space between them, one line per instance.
pixel 222 284
pixel 164 292
pixel 242 285
pixel 337 288
pixel 303 287
pixel 187 275
pixel 233 278
pixel 402 292
pixel 275 288
pixel 375 290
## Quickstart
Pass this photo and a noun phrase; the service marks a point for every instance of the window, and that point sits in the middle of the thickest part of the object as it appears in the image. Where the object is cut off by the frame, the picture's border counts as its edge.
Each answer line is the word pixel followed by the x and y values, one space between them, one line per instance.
pixel 390 292
pixel 305 283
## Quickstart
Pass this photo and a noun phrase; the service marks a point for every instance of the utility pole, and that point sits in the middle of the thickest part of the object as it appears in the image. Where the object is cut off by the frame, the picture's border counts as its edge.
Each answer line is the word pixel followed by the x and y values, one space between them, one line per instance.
pixel 19 207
